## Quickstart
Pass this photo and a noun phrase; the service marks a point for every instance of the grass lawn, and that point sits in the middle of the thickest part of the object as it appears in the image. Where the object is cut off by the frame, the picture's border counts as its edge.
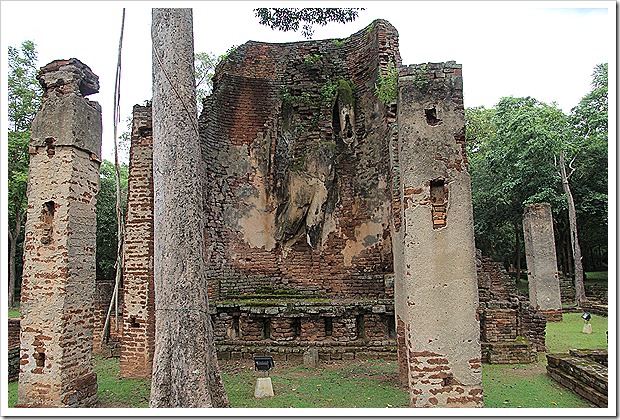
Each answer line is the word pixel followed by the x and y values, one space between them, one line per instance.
pixel 14 313
pixel 370 383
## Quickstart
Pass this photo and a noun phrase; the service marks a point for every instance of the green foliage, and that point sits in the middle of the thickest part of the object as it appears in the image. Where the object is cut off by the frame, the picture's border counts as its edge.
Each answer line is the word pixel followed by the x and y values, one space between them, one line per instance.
pixel 345 92
pixel 289 19
pixel 339 42
pixel 512 152
pixel 18 165
pixel 312 59
pixel 589 149
pixel 204 70
pixel 369 29
pixel 386 87
pixel 106 218
pixel 24 99
pixel 24 91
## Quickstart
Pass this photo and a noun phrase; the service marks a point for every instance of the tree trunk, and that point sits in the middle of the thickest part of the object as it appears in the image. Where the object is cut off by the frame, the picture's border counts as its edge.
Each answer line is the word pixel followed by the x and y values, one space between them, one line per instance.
pixel 13 236
pixel 580 293
pixel 518 253
pixel 185 369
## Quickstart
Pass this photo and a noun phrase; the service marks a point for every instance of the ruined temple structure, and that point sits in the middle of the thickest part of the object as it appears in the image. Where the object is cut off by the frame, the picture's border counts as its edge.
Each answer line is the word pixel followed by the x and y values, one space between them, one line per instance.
pixel 298 194
pixel 305 190
pixel 58 288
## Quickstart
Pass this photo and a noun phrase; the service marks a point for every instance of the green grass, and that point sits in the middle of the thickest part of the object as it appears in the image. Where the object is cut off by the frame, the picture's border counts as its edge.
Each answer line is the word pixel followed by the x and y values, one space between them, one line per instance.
pixel 565 335
pixel 116 392
pixel 12 393
pixel 14 313
pixel 369 383
pixel 515 386
pixel 523 386
pixel 596 277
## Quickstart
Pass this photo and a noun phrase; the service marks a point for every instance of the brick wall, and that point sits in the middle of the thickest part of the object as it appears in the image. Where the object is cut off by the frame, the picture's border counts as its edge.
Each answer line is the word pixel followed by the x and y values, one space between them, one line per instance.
pixel 511 330
pixel 13 348
pixel 273 146
pixel 112 345
pixel 139 296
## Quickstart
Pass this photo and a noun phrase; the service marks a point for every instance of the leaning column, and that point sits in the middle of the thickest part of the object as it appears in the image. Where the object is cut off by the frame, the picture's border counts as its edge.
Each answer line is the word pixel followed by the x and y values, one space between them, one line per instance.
pixel 437 254
pixel 58 288
pixel 542 267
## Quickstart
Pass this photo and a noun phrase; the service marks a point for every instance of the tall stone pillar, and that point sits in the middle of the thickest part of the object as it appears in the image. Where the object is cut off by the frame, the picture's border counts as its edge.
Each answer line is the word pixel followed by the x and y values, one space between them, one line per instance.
pixel 58 289
pixel 542 268
pixel 437 254
pixel 138 341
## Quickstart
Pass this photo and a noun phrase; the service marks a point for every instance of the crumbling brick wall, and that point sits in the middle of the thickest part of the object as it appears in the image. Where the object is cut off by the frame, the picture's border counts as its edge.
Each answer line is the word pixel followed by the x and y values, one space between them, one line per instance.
pixel 297 168
pixel 103 296
pixel 510 330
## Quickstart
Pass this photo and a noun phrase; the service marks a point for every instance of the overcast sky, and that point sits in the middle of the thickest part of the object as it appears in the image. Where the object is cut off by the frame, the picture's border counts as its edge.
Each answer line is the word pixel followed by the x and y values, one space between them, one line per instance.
pixel 546 50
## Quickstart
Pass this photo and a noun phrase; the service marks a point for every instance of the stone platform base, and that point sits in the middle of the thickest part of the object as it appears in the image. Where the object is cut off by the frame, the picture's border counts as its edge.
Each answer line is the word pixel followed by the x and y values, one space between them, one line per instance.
pixel 293 352
pixel 582 371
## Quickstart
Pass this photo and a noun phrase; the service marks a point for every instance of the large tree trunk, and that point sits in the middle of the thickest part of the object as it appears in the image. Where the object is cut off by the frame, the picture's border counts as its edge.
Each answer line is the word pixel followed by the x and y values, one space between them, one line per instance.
pixel 13 236
pixel 580 293
pixel 185 370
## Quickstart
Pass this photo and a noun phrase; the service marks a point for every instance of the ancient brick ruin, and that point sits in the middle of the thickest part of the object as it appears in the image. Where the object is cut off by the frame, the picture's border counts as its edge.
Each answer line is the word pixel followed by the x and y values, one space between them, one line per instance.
pixel 511 331
pixel 542 269
pixel 58 287
pixel 298 196
pixel 334 222
pixel 303 195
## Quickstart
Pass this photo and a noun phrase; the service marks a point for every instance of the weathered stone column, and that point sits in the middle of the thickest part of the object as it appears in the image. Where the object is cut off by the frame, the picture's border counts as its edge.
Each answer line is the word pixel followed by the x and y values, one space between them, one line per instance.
pixel 138 341
pixel 542 267
pixel 58 289
pixel 437 254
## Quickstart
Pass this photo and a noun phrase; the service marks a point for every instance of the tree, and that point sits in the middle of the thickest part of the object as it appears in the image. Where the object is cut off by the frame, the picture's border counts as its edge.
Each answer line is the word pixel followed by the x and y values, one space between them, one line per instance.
pixel 106 217
pixel 24 99
pixel 289 19
pixel 185 368
pixel 522 151
pixel 24 91
pixel 204 68
pixel 589 120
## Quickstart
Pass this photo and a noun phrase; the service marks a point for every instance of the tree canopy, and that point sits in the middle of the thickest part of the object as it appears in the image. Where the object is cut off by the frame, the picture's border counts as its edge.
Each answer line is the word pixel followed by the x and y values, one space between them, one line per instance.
pixel 289 19
pixel 514 150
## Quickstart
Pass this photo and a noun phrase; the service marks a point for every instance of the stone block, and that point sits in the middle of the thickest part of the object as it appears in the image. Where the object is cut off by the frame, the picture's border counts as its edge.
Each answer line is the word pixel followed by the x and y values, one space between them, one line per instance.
pixel 263 388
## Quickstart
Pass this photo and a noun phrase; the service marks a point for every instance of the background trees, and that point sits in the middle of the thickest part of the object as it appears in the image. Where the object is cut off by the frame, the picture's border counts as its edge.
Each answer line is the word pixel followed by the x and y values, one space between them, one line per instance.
pixel 523 151
pixel 106 217
pixel 24 98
